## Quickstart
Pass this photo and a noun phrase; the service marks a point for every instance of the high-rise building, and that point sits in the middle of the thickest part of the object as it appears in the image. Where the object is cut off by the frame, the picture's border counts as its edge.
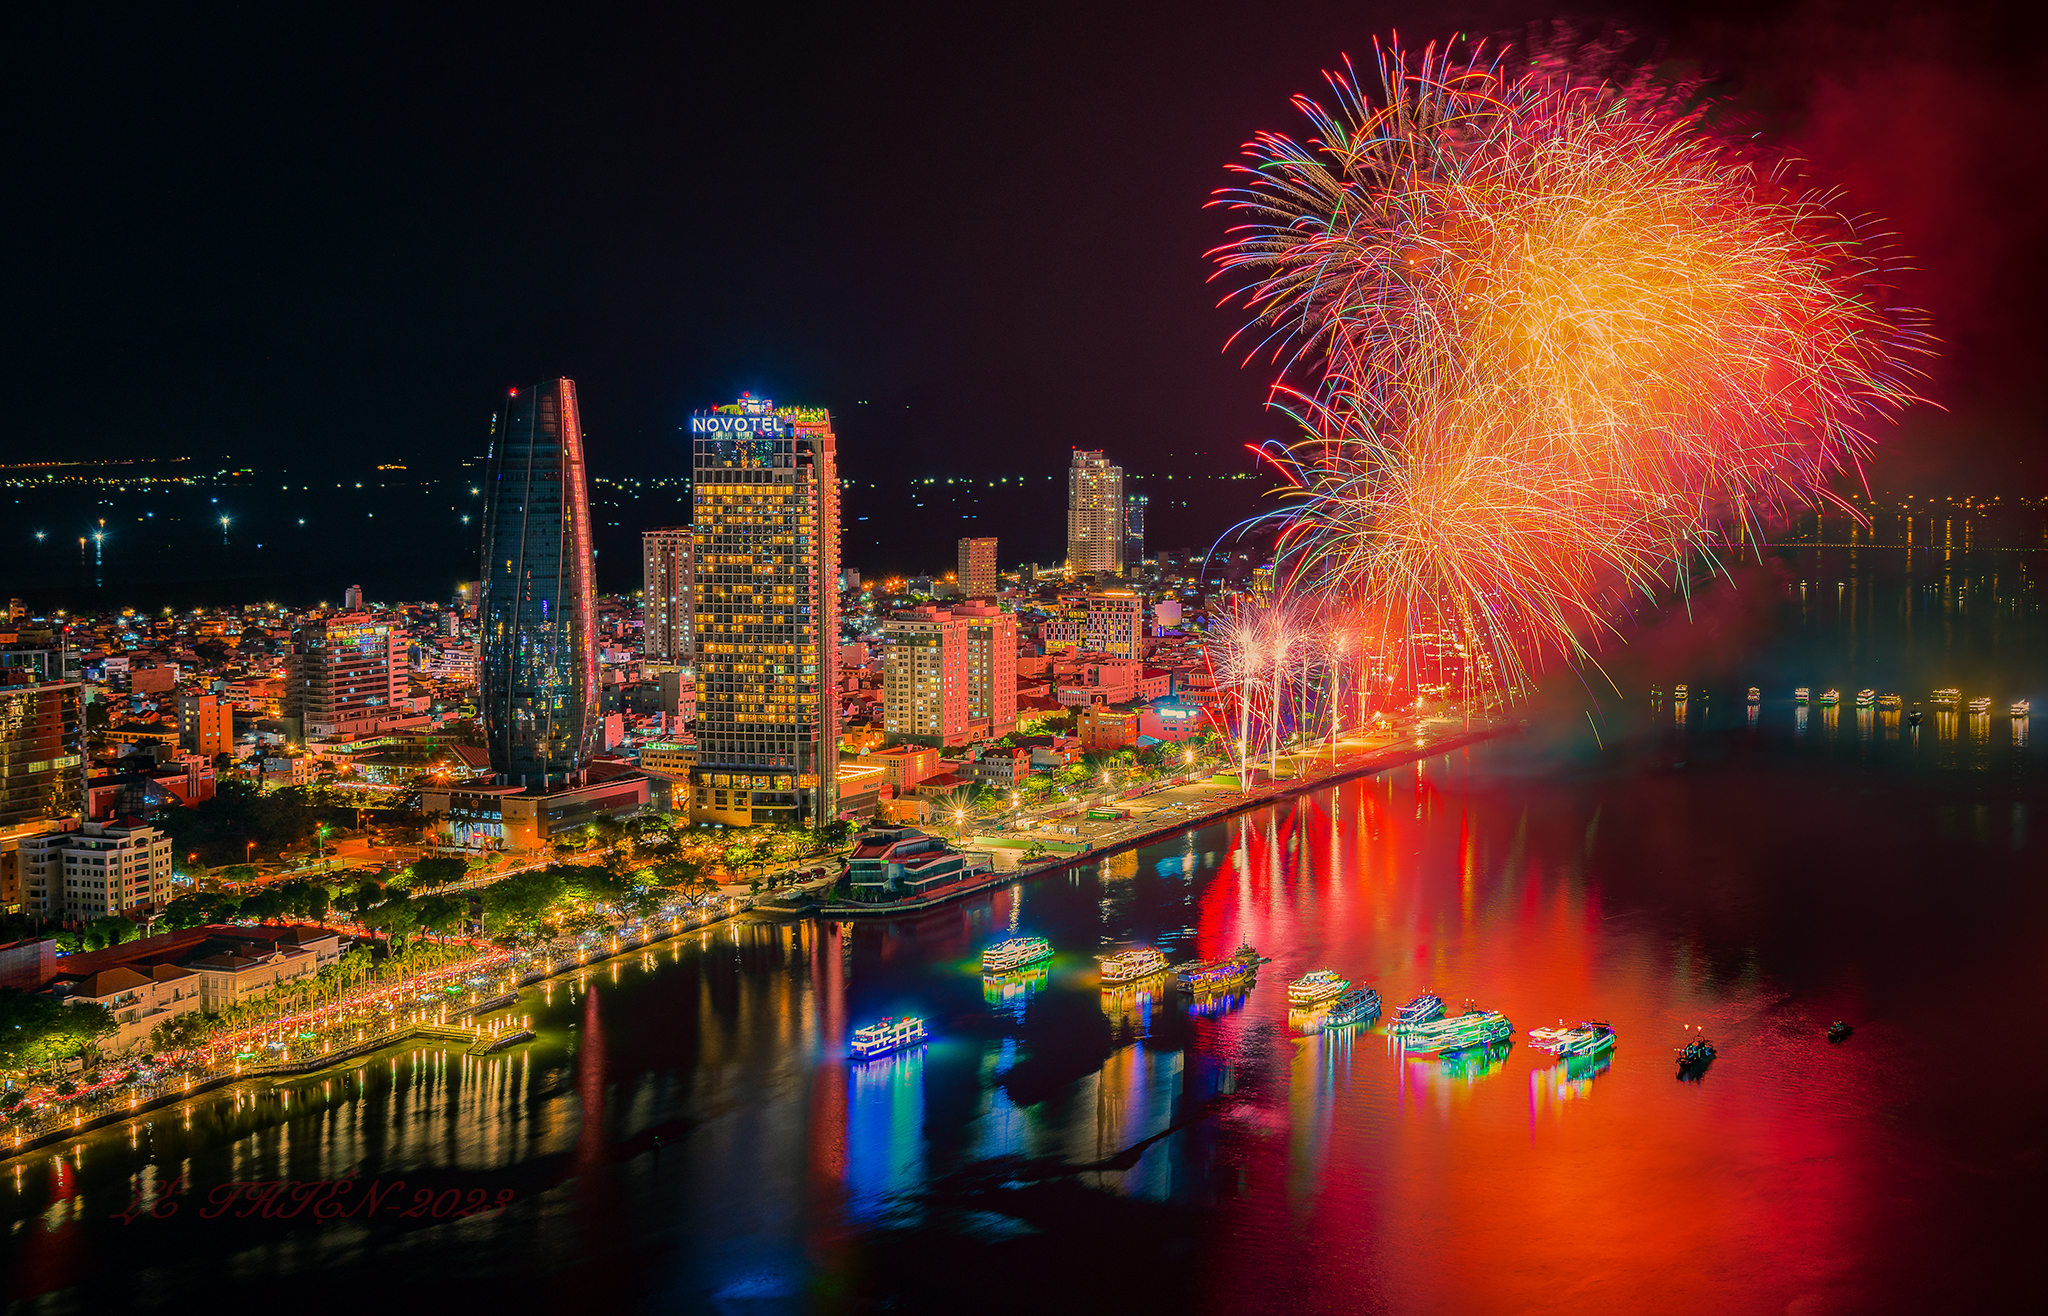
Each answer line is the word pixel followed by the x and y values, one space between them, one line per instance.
pixel 765 503
pixel 1116 623
pixel 924 679
pixel 977 573
pixel 347 675
pixel 1134 530
pixel 352 599
pixel 537 650
pixel 206 725
pixel 42 753
pixel 991 669
pixel 1095 514
pixel 665 598
pixel 949 675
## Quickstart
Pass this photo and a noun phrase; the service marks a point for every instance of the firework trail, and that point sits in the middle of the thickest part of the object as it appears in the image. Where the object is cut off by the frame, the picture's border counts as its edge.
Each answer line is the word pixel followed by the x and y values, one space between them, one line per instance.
pixel 1551 339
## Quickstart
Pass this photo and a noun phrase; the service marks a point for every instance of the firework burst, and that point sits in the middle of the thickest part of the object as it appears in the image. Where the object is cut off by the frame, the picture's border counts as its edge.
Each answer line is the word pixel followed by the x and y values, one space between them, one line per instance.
pixel 1549 339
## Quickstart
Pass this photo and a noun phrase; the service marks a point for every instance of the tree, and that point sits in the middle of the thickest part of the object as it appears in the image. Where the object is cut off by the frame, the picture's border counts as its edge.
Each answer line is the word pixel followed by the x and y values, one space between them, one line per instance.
pixel 199 908
pixel 40 1030
pixel 109 931
pixel 441 914
pixel 439 870
pixel 396 918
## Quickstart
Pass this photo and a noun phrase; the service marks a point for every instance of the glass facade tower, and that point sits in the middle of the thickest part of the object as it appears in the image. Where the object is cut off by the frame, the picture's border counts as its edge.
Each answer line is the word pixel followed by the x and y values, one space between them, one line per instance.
pixel 536 650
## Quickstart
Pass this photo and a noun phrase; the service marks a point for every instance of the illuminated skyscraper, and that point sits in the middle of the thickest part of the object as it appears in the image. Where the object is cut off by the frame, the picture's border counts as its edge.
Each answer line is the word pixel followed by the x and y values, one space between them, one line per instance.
pixel 1134 530
pixel 1095 514
pixel 665 595
pixel 537 656
pixel 766 629
pixel 977 574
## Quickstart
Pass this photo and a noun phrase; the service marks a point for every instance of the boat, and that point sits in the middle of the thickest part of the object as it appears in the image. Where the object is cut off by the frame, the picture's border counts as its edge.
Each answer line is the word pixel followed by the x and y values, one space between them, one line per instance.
pixel 1756 696
pixel 1248 955
pixel 1695 1058
pixel 1839 1031
pixel 1131 965
pixel 1419 1011
pixel 1460 1032
pixel 2022 707
pixel 1680 691
pixel 887 1036
pixel 1801 695
pixel 1006 956
pixel 1866 698
pixel 1316 988
pixel 1981 704
pixel 1585 1038
pixel 1214 975
pixel 1829 698
pixel 1353 1006
pixel 1914 717
pixel 1889 703
pixel 1656 692
pixel 1947 698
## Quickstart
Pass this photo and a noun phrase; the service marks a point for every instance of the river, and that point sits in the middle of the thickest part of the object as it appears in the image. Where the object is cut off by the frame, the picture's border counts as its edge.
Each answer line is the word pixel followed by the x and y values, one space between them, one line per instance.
pixel 686 1134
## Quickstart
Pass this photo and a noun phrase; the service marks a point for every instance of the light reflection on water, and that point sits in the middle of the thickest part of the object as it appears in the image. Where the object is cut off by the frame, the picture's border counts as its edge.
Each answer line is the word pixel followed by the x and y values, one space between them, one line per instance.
pixel 1757 876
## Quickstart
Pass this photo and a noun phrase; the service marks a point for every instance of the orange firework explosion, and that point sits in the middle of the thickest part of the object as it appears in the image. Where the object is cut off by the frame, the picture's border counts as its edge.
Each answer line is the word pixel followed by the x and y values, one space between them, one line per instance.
pixel 1553 338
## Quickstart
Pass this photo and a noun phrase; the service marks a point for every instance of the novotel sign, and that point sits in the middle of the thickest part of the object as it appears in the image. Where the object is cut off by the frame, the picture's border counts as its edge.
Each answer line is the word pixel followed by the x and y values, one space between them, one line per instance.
pixel 729 426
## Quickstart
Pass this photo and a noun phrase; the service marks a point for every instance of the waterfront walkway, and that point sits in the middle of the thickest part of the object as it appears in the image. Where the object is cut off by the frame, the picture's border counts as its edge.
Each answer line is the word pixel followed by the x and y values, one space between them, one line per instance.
pixel 1168 811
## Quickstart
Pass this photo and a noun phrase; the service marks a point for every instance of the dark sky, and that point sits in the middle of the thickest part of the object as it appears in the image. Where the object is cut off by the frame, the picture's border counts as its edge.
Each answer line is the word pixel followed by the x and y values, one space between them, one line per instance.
pixel 274 231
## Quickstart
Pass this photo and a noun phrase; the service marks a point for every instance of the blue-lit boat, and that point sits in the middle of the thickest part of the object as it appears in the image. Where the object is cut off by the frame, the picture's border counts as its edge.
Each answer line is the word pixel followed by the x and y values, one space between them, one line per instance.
pixel 1694 1059
pixel 1460 1032
pixel 1419 1011
pixel 1006 956
pixel 1215 976
pixel 887 1036
pixel 1353 1007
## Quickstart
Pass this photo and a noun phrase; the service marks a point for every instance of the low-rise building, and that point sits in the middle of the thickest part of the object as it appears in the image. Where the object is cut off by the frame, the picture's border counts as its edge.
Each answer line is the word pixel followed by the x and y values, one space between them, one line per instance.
pixel 140 999
pixel 895 863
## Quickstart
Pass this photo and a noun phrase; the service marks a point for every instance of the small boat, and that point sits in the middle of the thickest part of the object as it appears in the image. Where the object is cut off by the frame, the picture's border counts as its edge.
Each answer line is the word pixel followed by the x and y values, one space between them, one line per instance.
pixel 1656 692
pixel 1352 1007
pixel 1946 698
pixel 1889 703
pixel 1756 696
pixel 1866 698
pixel 1460 1032
pixel 1695 1058
pixel 1829 698
pixel 1316 988
pixel 1008 956
pixel 1247 955
pixel 1419 1011
pixel 1131 965
pixel 1214 976
pixel 1585 1038
pixel 1981 704
pixel 2022 707
pixel 1681 692
pixel 1839 1031
pixel 1913 718
pixel 889 1035
pixel 1801 695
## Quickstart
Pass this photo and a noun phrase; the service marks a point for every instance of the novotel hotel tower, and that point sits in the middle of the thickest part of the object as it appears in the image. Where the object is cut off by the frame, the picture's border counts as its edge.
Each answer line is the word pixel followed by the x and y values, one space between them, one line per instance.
pixel 765 515
pixel 536 651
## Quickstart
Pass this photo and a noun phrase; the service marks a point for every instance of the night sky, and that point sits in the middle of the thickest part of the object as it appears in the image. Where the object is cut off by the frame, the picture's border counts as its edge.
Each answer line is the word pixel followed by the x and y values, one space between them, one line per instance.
pixel 974 232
